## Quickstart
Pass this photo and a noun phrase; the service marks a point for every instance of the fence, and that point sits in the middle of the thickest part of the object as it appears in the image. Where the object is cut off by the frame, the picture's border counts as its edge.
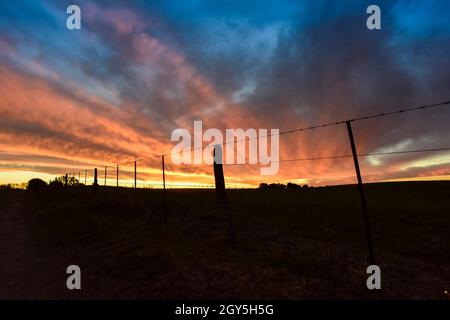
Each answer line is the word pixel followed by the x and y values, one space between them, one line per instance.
pixel 148 172
pixel 156 172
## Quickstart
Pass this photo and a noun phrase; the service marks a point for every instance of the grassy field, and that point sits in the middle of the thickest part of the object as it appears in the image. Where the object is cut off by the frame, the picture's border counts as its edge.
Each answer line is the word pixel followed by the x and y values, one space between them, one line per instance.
pixel 291 244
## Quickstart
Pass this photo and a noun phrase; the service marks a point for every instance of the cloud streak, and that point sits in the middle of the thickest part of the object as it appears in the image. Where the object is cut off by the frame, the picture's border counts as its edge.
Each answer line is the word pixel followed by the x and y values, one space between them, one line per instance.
pixel 136 71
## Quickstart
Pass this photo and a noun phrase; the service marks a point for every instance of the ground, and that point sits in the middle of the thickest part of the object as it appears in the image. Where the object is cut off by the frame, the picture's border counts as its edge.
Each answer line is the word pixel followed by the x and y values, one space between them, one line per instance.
pixel 291 244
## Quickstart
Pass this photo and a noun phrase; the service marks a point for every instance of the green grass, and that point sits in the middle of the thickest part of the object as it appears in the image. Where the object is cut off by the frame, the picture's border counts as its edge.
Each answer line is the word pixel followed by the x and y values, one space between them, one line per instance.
pixel 293 244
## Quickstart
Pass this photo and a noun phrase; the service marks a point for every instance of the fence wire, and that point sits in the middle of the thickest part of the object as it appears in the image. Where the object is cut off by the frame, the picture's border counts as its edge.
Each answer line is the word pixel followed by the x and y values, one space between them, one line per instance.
pixel 147 172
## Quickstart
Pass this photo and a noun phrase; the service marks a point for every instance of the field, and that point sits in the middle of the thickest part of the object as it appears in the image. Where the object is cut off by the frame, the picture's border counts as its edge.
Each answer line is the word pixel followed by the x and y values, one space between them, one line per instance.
pixel 291 244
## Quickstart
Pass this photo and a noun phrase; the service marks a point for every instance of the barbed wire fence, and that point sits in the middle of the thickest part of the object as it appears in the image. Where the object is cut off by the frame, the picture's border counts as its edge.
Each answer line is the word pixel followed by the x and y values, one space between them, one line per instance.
pixel 125 175
pixel 155 171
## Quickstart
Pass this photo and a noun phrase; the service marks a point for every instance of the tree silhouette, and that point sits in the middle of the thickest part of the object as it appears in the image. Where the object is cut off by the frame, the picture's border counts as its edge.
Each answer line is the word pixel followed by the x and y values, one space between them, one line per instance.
pixel 36 184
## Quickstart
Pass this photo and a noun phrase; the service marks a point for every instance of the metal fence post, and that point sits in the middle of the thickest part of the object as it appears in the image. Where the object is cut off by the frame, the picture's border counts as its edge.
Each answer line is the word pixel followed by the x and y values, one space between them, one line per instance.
pixel 117 176
pixel 164 191
pixel 135 174
pixel 362 195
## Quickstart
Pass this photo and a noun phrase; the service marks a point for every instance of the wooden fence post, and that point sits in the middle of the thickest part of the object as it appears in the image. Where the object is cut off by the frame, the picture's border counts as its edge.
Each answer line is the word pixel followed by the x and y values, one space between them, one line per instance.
pixel 362 195
pixel 95 179
pixel 220 191
pixel 164 191
pixel 105 174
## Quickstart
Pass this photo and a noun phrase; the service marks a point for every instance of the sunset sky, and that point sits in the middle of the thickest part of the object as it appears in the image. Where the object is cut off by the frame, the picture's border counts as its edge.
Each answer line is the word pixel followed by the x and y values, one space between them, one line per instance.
pixel 115 90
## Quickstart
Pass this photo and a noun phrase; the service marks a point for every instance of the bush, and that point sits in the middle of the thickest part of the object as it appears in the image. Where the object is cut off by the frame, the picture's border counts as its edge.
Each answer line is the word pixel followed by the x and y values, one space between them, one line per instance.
pixel 36 185
pixel 277 186
pixel 56 184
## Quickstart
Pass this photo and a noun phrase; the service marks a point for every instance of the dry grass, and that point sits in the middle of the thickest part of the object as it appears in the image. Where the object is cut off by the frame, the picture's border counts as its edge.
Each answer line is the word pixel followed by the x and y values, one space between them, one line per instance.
pixel 292 244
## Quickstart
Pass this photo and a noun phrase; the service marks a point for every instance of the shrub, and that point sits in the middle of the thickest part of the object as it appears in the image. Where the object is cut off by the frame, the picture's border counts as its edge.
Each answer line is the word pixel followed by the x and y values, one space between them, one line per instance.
pixel 36 185
pixel 277 186
pixel 56 184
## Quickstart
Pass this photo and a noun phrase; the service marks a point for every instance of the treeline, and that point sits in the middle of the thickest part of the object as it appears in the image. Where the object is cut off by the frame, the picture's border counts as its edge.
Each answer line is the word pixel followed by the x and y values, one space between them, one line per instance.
pixel 10 186
pixel 281 186
pixel 59 182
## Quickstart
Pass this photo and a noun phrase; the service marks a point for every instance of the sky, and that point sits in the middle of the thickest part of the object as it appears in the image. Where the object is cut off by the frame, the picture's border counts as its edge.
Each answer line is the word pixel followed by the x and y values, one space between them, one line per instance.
pixel 114 91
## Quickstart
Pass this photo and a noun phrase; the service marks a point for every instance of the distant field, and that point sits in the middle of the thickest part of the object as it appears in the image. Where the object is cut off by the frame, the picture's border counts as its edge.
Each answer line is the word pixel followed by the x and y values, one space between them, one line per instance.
pixel 293 244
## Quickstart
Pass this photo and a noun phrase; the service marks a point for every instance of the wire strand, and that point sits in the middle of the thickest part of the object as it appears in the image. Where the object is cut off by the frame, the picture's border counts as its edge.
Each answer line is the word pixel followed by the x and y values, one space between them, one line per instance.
pixel 382 114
